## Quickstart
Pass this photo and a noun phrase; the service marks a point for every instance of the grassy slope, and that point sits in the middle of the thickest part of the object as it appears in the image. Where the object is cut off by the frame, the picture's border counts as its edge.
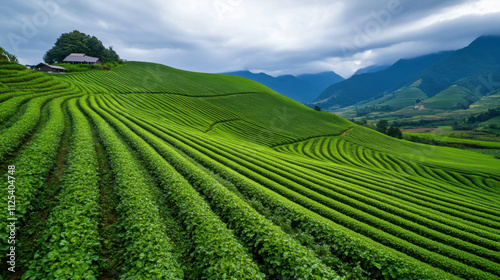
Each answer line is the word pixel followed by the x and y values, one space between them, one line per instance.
pixel 432 207
pixel 447 99
pixel 142 77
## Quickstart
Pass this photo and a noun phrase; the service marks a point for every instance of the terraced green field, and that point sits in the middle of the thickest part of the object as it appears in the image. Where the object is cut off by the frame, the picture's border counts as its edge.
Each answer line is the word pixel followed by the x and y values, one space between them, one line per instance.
pixel 149 172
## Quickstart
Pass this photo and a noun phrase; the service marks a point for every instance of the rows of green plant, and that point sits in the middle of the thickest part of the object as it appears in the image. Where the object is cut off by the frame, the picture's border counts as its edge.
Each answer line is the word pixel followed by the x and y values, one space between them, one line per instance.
pixel 360 156
pixel 480 263
pixel 227 256
pixel 34 82
pixel 391 235
pixel 282 256
pixel 211 260
pixel 426 190
pixel 142 77
pixel 490 214
pixel 147 250
pixel 319 149
pixel 33 164
pixel 70 242
pixel 368 188
pixel 13 137
pixel 407 197
pixel 350 194
pixel 379 266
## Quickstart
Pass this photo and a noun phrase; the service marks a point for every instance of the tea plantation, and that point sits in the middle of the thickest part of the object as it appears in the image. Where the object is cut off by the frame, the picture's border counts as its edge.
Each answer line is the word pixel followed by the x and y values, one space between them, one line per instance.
pixel 150 172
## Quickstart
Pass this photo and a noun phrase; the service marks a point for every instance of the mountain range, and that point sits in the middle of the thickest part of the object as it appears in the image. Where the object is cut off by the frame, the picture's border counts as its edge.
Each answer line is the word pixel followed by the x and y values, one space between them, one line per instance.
pixel 457 74
pixel 302 88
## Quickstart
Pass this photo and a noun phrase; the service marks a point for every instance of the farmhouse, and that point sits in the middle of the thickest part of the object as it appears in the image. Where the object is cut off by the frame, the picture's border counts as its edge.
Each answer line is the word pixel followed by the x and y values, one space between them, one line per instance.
pixel 44 67
pixel 80 58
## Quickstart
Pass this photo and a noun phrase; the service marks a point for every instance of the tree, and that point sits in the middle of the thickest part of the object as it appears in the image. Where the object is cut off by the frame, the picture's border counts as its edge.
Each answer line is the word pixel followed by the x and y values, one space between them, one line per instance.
pixel 77 42
pixel 5 55
pixel 395 132
pixel 382 126
pixel 317 108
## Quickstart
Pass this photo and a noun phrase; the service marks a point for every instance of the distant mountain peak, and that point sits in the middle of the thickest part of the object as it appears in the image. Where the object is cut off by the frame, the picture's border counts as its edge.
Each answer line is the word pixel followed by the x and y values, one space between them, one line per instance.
pixel 371 69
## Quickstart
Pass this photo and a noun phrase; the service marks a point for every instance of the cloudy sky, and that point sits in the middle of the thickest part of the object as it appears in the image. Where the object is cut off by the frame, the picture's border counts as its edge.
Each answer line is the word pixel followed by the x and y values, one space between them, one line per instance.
pixel 272 36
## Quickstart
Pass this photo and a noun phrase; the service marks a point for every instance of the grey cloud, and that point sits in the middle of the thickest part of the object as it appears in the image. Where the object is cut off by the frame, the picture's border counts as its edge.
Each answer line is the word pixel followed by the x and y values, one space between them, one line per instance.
pixel 281 36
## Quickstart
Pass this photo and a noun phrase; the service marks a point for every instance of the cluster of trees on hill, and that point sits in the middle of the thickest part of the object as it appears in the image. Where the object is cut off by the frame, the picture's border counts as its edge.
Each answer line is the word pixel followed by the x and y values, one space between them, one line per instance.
pixel 472 122
pixel 383 127
pixel 4 55
pixel 78 42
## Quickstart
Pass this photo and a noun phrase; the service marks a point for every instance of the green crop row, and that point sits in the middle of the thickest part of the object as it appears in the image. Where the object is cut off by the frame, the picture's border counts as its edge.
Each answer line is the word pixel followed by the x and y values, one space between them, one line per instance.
pixel 12 137
pixel 388 233
pixel 70 242
pixel 10 106
pixel 379 160
pixel 33 164
pixel 282 256
pixel 225 258
pixel 382 237
pixel 387 189
pixel 352 195
pixel 147 250
pixel 9 65
pixel 383 161
pixel 374 258
pixel 436 202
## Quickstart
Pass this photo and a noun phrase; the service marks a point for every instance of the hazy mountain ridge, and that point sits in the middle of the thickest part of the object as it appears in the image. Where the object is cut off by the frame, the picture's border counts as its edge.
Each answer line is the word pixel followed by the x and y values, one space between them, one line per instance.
pixel 302 88
pixel 472 67
pixel 371 85
pixel 481 55
pixel 371 69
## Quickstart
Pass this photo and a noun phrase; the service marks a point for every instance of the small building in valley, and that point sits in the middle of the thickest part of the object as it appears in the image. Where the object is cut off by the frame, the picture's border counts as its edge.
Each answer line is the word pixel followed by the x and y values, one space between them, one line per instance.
pixel 45 67
pixel 80 58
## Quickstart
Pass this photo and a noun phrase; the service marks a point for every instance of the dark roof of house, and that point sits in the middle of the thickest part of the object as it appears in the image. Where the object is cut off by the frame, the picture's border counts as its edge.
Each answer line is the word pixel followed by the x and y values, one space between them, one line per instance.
pixel 80 57
pixel 51 66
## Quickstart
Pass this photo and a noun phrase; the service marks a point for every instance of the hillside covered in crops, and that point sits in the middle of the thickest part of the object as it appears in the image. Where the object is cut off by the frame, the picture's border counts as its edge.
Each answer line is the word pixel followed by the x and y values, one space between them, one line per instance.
pixel 150 172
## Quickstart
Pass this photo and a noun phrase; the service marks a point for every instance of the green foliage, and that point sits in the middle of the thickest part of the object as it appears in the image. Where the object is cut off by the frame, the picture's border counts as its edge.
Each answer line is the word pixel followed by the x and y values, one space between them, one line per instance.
pixel 282 256
pixel 34 162
pixel 254 185
pixel 71 239
pixel 5 55
pixel 382 126
pixel 395 132
pixel 147 249
pixel 224 257
pixel 472 122
pixel 77 42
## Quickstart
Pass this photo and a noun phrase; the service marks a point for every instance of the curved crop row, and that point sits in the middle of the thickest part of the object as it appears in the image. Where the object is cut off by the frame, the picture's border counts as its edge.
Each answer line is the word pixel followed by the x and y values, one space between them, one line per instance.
pixel 350 194
pixel 147 252
pixel 226 257
pixel 379 263
pixel 71 240
pixel 283 257
pixel 419 204
pixel 382 231
pixel 34 163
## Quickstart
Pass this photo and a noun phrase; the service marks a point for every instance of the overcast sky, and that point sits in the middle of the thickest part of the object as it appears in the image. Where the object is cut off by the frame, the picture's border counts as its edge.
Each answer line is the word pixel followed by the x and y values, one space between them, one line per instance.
pixel 272 36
